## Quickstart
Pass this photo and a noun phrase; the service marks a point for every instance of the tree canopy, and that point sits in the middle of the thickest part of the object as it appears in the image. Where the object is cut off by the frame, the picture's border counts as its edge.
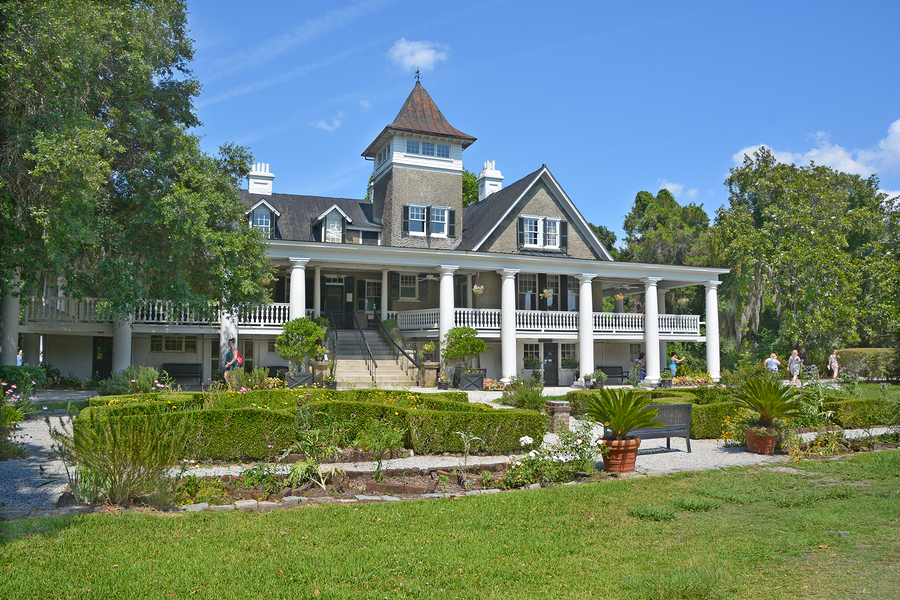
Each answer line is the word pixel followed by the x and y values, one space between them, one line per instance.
pixel 470 187
pixel 659 230
pixel 101 182
pixel 812 247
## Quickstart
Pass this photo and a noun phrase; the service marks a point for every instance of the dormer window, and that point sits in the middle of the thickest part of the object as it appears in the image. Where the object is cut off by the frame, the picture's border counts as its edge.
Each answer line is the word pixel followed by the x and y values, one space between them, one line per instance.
pixel 262 216
pixel 428 149
pixel 334 228
pixel 262 220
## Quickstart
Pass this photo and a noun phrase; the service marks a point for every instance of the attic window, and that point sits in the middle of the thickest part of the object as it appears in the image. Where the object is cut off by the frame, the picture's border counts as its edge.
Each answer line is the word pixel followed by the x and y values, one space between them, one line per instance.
pixel 334 228
pixel 262 219
pixel 443 151
pixel 543 232
pixel 412 147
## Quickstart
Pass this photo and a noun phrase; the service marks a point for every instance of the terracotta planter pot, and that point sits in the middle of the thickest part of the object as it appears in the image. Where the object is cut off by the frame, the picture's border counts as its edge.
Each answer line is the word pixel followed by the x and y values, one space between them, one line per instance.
pixel 760 444
pixel 622 455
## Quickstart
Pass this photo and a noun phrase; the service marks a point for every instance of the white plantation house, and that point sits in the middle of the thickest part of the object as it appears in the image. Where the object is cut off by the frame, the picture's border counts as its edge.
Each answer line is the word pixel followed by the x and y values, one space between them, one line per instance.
pixel 521 266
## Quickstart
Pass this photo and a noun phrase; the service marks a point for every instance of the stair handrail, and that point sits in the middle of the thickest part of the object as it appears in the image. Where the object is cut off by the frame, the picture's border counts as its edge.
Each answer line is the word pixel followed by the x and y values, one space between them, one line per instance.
pixel 357 331
pixel 388 335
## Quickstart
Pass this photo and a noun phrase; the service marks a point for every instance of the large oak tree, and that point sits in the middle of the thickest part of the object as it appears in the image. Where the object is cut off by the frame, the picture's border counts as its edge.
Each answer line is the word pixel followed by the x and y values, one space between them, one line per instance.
pixel 101 182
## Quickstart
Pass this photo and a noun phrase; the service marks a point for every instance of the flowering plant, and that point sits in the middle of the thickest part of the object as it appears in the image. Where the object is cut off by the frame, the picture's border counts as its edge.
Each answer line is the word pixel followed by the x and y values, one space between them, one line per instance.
pixel 321 350
pixel 619 297
pixel 477 289
pixel 546 293
pixel 442 377
pixel 576 452
pixel 428 346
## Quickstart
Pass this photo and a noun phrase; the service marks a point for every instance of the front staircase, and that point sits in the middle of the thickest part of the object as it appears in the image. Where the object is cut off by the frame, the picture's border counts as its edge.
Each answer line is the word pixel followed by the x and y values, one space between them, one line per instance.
pixel 353 372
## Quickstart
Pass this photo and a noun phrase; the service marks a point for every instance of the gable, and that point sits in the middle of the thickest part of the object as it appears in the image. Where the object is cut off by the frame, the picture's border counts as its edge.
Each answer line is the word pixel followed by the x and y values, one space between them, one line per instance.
pixel 493 225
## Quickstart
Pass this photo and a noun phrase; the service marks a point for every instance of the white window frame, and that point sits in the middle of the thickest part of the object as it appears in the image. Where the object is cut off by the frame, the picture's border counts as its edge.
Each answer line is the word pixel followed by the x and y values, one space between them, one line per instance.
pixel 442 150
pixel 528 283
pixel 552 240
pixel 262 219
pixel 537 235
pixel 412 147
pixel 424 214
pixel 328 233
pixel 438 211
pixel 173 343
pixel 428 149
pixel 406 285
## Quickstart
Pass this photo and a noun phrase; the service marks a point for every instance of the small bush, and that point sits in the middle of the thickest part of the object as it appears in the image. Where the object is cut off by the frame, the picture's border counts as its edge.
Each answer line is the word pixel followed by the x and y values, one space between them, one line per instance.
pixel 129 456
pixel 34 375
pixel 859 414
pixel 524 393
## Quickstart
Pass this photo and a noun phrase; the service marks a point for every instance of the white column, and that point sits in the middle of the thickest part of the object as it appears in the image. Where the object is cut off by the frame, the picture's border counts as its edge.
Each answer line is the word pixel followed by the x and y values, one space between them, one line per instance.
pixel 651 330
pixel 317 293
pixel 712 330
pixel 445 314
pixel 9 325
pixel 31 347
pixel 585 325
pixel 385 294
pixel 298 288
pixel 508 324
pixel 663 348
pixel 121 352
pixel 469 295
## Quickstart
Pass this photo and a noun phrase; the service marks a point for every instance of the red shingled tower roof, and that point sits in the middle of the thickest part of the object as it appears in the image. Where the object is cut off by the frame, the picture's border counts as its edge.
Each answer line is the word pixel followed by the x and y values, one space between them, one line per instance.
pixel 419 115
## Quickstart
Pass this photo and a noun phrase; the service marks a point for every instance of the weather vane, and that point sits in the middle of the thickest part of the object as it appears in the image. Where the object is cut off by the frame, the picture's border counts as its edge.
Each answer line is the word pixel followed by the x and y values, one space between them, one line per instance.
pixel 417 73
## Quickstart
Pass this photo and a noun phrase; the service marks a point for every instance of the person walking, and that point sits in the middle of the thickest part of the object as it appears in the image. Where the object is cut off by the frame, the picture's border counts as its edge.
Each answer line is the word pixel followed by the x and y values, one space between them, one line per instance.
pixel 231 363
pixel 794 363
pixel 772 363
pixel 833 364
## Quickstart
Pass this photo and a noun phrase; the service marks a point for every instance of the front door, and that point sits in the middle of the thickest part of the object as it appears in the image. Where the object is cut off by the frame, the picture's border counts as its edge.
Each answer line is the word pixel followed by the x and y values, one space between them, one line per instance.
pixel 334 304
pixel 102 363
pixel 551 365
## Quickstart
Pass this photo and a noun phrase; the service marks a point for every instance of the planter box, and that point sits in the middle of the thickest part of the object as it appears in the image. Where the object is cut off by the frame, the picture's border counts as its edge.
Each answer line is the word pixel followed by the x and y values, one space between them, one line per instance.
pixel 665 383
pixel 298 379
pixel 469 381
pixel 443 385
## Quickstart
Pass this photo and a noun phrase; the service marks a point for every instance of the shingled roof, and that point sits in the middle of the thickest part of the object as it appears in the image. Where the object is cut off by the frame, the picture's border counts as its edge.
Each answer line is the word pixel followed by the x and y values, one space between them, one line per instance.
pixel 298 213
pixel 419 115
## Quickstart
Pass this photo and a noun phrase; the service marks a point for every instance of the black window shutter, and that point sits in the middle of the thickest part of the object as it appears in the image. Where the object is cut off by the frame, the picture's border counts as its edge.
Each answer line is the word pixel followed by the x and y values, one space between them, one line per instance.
pixel 343 231
pixel 542 285
pixel 520 301
pixel 423 288
pixel 428 220
pixel 564 235
pixel 361 295
pixel 395 286
pixel 348 289
pixel 521 232
pixel 451 223
pixel 563 303
pixel 405 219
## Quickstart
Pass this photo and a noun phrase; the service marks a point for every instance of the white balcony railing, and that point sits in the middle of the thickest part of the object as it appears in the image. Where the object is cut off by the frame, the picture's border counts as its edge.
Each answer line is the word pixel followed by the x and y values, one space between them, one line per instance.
pixel 418 319
pixel 266 316
pixel 159 312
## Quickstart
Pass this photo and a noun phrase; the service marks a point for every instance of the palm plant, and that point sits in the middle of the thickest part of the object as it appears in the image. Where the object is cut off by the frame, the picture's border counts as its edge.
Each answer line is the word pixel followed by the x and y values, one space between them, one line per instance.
pixel 622 410
pixel 770 399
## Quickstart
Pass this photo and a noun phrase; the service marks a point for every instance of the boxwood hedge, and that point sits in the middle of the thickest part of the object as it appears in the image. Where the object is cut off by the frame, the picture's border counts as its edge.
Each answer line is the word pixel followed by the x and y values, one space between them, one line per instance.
pixel 259 424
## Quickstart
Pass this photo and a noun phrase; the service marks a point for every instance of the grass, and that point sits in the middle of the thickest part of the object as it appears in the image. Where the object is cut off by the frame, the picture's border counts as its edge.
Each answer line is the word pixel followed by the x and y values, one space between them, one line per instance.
pixel 566 541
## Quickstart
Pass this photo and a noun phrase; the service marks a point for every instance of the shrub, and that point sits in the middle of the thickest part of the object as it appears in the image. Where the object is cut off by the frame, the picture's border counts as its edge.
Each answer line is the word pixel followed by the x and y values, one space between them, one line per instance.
pixel 868 362
pixel 524 393
pixel 499 430
pixel 298 340
pixel 859 414
pixel 708 420
pixel 130 457
pixel 34 375
pixel 576 452
pixel 463 344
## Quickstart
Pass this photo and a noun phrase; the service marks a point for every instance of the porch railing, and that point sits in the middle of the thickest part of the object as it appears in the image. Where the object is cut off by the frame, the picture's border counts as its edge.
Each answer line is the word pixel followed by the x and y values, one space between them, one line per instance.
pixel 266 315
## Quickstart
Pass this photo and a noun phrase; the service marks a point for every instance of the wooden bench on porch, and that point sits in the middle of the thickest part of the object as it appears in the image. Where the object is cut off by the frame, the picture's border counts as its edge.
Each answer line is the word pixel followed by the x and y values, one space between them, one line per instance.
pixel 613 374
pixel 184 371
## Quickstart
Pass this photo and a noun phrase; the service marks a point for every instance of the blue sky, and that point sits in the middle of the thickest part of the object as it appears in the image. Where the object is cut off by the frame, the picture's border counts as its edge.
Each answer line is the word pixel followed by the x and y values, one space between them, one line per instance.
pixel 614 97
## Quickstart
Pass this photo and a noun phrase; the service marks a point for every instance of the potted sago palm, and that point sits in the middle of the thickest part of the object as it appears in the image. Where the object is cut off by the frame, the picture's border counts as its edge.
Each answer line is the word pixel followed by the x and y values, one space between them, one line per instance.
pixel 621 411
pixel 772 402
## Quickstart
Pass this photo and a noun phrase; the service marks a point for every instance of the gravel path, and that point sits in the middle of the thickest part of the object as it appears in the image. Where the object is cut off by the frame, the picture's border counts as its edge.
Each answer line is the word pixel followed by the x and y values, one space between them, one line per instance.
pixel 36 481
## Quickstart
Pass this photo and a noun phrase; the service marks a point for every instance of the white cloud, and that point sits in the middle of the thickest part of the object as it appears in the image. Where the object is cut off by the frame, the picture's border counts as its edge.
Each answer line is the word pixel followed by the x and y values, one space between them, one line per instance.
pixel 416 55
pixel 335 122
pixel 678 189
pixel 883 158
pixel 366 105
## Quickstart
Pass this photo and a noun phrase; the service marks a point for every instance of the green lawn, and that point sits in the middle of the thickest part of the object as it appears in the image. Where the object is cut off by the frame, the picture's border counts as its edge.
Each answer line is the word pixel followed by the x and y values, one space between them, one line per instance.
pixel 741 533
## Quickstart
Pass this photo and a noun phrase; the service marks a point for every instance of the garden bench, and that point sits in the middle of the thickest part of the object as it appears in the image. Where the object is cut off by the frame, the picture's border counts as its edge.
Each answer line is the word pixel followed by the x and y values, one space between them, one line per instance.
pixel 613 374
pixel 676 420
pixel 184 371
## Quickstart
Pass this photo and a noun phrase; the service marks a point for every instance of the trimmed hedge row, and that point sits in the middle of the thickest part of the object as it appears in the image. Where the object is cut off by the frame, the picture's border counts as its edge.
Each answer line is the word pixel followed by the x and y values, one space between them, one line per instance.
pixel 255 425
pixel 858 414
